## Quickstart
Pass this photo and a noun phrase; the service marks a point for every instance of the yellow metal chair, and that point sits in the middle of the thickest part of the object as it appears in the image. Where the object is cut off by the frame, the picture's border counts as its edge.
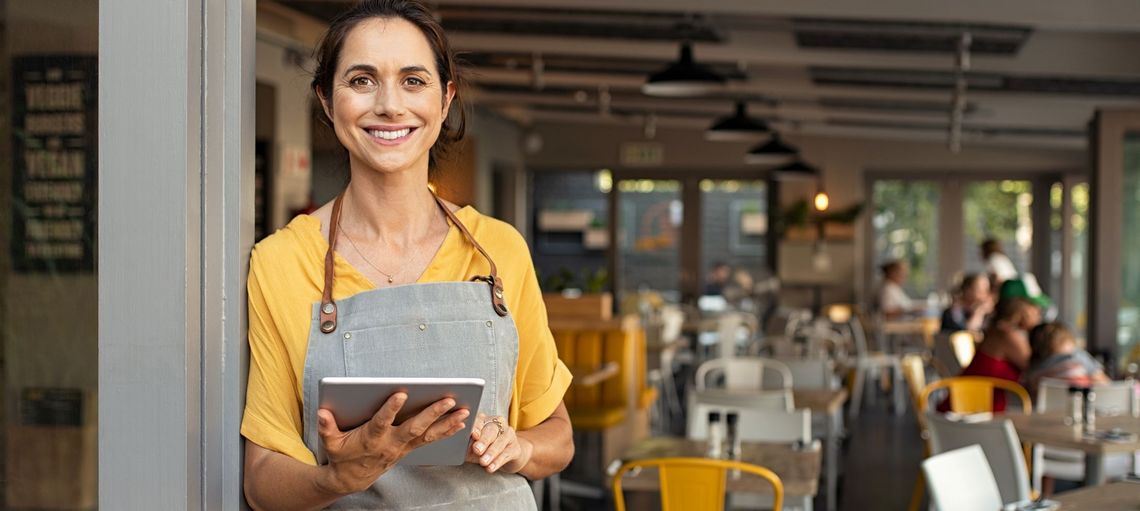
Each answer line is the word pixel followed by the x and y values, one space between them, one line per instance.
pixel 695 484
pixel 973 394
pixel 914 371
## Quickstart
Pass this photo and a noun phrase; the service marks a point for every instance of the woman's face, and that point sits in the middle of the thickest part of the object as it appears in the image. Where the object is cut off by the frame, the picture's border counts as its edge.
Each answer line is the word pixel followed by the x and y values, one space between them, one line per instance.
pixel 977 292
pixel 387 102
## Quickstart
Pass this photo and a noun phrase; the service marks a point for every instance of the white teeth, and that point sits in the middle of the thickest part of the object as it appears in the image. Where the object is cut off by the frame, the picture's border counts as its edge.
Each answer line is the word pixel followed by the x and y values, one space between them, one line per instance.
pixel 390 135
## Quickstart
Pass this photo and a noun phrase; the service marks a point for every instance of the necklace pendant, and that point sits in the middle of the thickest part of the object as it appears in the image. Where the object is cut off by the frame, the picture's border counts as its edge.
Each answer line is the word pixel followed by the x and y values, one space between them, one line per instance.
pixel 390 280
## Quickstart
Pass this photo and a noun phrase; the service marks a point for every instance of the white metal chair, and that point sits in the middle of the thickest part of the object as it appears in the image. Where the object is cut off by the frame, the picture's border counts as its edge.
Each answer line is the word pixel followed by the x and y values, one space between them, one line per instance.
pixel 760 400
pixel 757 425
pixel 743 373
pixel 998 440
pixel 869 363
pixel 1115 398
pixel 807 373
pixel 961 480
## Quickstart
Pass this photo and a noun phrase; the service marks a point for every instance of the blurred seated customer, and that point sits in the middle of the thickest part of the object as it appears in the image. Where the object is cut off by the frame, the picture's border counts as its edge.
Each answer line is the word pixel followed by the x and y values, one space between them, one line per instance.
pixel 1056 355
pixel 998 265
pixel 738 290
pixel 892 300
pixel 1004 350
pixel 972 303
pixel 717 278
pixel 1025 286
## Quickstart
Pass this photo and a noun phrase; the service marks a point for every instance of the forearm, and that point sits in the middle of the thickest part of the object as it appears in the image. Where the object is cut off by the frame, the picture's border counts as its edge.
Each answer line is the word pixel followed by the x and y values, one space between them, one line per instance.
pixel 552 445
pixel 276 481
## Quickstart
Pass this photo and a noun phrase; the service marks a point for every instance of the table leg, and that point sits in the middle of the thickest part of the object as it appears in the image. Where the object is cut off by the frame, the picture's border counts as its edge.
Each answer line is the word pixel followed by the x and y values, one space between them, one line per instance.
pixel 1094 469
pixel 832 459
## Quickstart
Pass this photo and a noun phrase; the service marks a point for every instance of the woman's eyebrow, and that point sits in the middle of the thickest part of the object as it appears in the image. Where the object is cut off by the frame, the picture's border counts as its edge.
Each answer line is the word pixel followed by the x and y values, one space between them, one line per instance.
pixel 360 67
pixel 372 69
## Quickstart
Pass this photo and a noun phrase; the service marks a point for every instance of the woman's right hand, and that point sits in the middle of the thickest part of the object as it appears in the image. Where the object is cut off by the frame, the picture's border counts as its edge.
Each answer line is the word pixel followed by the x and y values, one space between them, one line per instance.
pixel 358 456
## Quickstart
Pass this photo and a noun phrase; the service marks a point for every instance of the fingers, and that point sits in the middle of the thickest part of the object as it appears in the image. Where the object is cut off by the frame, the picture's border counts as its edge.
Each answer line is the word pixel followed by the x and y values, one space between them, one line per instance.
pixel 445 427
pixel 416 426
pixel 386 415
pixel 502 450
pixel 477 430
pixel 488 433
pixel 326 426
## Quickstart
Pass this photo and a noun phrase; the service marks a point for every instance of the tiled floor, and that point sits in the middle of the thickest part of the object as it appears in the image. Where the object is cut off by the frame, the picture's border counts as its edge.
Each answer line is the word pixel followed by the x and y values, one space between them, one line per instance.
pixel 881 461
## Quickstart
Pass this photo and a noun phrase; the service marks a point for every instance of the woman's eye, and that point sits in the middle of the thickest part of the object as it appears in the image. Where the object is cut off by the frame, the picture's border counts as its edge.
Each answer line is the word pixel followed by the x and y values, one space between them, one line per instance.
pixel 360 82
pixel 415 82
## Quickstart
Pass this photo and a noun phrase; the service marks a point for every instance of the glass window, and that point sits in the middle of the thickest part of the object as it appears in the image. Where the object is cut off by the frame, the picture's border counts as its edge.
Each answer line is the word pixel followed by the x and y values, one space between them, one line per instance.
pixel 734 229
pixel 906 229
pixel 1000 210
pixel 1128 334
pixel 1079 269
pixel 48 287
pixel 649 237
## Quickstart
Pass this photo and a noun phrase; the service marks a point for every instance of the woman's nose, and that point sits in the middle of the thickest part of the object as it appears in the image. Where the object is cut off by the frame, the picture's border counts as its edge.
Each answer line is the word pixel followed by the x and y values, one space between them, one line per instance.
pixel 388 102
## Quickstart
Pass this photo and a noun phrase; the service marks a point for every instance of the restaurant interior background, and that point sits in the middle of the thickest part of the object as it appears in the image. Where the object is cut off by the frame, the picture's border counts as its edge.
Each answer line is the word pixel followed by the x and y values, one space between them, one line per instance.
pixel 928 127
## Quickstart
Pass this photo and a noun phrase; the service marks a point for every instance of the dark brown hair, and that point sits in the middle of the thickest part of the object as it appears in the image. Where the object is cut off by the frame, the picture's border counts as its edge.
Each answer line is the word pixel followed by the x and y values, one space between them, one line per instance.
pixel 991 246
pixel 1010 310
pixel 1045 338
pixel 969 280
pixel 447 66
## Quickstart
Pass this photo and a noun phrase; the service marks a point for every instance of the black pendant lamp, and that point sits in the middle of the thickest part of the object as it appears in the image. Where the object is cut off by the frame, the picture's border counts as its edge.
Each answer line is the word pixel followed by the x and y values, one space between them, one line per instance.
pixel 738 126
pixel 683 78
pixel 797 170
pixel 774 151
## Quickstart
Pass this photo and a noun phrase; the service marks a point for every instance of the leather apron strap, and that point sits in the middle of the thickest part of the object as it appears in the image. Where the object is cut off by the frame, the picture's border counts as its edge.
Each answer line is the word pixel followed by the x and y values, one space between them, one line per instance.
pixel 328 305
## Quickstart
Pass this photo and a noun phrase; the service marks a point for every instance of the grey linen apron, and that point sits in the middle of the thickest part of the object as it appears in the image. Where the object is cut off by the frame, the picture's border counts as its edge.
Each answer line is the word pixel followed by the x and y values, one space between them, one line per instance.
pixel 444 329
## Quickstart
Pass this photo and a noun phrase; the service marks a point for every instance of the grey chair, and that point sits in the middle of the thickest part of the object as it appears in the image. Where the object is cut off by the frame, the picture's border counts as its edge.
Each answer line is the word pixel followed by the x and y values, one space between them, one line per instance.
pixel 961 480
pixel 997 439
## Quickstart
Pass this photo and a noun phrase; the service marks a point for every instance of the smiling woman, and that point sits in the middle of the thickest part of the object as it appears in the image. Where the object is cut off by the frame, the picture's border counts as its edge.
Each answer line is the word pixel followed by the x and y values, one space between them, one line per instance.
pixel 429 287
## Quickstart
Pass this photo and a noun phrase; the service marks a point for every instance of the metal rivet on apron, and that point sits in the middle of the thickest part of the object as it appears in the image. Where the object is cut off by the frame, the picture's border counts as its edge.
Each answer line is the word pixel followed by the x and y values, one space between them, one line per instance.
pixel 327 308
pixel 489 324
pixel 423 326
pixel 348 335
pixel 328 326
pixel 498 293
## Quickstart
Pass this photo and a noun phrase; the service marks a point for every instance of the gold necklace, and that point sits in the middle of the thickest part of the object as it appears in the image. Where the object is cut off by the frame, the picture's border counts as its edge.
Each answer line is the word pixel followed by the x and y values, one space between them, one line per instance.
pixel 362 256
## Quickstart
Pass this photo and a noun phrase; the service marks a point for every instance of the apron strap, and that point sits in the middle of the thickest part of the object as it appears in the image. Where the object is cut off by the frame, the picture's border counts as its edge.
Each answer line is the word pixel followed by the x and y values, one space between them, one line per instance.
pixel 492 279
pixel 328 305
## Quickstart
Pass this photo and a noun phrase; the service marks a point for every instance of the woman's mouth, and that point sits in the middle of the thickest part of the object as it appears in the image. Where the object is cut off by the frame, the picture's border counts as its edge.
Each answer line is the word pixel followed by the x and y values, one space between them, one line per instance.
pixel 388 136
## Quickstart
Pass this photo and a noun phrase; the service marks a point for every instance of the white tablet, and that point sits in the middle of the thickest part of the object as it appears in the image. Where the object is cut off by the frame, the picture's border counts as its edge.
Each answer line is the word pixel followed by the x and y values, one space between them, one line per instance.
pixel 353 401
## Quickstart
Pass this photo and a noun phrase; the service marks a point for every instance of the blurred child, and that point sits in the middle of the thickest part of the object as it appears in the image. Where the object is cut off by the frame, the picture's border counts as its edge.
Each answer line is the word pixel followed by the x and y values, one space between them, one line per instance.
pixel 1055 355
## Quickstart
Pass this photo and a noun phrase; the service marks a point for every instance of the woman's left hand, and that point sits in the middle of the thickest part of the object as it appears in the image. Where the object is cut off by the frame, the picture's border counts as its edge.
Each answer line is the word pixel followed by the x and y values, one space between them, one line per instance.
pixel 495 446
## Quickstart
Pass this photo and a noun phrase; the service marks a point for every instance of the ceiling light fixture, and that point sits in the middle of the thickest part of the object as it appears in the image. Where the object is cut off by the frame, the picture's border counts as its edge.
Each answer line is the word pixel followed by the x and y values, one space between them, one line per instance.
pixel 683 78
pixel 738 126
pixel 772 152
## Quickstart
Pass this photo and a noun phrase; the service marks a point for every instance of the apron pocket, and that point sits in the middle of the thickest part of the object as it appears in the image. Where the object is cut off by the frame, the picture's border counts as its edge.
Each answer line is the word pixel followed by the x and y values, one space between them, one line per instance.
pixel 450 349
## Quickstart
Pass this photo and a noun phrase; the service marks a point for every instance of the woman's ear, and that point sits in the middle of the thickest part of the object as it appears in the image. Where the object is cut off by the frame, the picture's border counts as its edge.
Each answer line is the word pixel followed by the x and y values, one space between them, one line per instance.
pixel 325 102
pixel 448 95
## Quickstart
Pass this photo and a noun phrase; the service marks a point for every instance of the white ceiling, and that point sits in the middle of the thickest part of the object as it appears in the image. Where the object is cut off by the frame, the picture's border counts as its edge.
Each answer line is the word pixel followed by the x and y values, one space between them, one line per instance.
pixel 1065 58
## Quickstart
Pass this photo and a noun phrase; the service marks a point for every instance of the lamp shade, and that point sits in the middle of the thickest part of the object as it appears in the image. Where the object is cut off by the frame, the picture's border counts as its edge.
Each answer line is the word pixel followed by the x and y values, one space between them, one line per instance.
pixel 774 151
pixel 738 126
pixel 683 78
pixel 796 170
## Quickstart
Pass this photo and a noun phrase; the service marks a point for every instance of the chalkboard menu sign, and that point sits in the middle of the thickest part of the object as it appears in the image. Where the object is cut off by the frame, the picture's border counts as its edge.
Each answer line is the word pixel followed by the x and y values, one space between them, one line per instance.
pixel 54 170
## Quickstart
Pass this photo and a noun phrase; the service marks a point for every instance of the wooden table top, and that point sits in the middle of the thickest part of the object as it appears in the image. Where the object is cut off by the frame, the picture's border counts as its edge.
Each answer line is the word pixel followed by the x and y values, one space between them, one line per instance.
pixel 914 326
pixel 820 400
pixel 798 469
pixel 1050 429
pixel 1118 496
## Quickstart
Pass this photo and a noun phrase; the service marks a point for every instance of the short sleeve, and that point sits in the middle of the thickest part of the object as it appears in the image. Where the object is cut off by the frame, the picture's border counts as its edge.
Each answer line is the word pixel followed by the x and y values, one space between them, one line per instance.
pixel 272 416
pixel 542 379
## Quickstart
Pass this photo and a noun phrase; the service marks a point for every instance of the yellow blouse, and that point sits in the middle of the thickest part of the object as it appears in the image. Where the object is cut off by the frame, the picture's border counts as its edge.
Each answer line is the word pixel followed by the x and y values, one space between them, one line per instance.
pixel 286 273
